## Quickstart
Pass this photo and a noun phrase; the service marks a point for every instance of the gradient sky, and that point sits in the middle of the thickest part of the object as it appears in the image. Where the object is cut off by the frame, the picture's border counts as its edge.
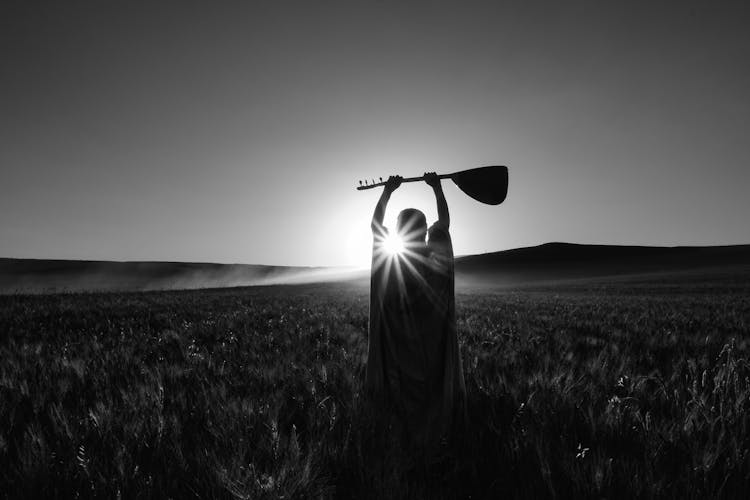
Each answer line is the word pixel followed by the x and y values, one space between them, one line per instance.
pixel 236 132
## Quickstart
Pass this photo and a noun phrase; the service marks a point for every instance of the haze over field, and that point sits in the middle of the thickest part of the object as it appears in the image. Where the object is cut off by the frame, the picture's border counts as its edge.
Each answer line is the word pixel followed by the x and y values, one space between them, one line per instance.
pixel 553 263
pixel 236 132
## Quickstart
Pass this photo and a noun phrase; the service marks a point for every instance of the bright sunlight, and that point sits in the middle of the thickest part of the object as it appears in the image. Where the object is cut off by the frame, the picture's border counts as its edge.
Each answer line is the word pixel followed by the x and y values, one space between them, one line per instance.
pixel 393 244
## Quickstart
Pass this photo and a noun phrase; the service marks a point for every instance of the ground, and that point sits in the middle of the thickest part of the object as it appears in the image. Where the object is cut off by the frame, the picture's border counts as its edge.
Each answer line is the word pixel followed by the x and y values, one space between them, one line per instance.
pixel 582 389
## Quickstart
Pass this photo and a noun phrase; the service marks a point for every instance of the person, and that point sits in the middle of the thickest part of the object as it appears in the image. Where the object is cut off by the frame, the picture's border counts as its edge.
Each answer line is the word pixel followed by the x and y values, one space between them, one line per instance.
pixel 413 362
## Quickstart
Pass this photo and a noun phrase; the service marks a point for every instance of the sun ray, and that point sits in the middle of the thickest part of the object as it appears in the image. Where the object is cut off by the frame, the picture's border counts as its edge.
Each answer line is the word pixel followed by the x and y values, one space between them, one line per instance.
pixel 397 256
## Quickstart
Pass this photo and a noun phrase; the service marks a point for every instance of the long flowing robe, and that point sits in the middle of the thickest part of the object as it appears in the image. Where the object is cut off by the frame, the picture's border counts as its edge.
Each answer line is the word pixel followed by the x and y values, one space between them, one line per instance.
pixel 413 362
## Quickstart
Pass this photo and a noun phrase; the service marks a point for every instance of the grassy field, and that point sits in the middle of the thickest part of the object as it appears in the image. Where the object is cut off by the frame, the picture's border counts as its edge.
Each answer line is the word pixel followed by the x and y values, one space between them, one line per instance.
pixel 627 390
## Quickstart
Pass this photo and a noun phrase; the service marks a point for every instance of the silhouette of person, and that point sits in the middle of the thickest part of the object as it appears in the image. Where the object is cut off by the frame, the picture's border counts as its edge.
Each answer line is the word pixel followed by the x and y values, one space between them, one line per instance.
pixel 413 363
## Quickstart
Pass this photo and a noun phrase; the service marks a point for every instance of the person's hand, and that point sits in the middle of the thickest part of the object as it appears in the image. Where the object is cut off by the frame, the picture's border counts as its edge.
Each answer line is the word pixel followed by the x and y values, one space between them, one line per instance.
pixel 393 183
pixel 432 179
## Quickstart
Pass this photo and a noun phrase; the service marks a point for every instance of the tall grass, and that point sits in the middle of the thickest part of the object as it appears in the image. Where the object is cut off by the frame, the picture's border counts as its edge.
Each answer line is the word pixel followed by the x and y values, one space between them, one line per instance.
pixel 257 393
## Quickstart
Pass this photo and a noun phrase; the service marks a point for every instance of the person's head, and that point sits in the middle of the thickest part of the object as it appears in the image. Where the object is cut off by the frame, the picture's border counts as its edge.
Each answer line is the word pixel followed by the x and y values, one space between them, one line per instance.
pixel 412 225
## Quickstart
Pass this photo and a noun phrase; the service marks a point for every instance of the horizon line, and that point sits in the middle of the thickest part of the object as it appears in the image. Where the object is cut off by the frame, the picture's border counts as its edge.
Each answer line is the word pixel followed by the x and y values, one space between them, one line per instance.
pixel 356 267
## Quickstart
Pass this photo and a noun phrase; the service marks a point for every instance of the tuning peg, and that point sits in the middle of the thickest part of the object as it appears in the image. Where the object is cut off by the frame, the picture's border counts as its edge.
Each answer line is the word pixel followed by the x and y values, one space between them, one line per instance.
pixel 373 181
pixel 381 179
pixel 360 183
pixel 365 182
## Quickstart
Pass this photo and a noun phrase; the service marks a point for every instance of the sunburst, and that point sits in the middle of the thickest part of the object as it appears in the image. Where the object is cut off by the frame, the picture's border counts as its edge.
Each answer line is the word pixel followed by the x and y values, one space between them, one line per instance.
pixel 393 244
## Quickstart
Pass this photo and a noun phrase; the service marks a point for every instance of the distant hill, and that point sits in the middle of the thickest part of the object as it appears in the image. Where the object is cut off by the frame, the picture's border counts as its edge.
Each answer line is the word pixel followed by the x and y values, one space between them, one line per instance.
pixel 554 262
pixel 40 276
pixel 548 263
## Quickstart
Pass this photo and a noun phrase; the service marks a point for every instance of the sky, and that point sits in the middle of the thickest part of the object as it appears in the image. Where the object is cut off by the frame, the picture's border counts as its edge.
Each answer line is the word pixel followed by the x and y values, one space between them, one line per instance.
pixel 236 132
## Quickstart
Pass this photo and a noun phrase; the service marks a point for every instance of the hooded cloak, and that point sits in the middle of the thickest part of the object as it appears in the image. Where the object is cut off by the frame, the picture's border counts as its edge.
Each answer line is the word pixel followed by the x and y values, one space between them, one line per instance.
pixel 413 363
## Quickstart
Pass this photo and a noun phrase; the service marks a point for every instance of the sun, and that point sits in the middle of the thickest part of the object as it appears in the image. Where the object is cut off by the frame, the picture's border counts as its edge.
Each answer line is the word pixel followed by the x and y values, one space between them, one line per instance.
pixel 393 244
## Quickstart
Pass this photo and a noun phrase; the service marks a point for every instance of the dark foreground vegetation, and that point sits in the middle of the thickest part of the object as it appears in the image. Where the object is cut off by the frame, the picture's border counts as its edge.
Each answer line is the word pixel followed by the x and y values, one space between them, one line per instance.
pixel 623 391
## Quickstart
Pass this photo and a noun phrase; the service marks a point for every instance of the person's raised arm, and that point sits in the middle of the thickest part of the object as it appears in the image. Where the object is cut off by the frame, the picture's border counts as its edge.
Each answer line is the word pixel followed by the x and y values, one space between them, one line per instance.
pixel 391 185
pixel 433 181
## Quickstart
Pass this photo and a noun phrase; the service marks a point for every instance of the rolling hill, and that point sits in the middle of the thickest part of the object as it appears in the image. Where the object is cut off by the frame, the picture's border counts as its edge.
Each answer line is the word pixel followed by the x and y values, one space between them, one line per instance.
pixel 42 276
pixel 556 262
pixel 548 263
